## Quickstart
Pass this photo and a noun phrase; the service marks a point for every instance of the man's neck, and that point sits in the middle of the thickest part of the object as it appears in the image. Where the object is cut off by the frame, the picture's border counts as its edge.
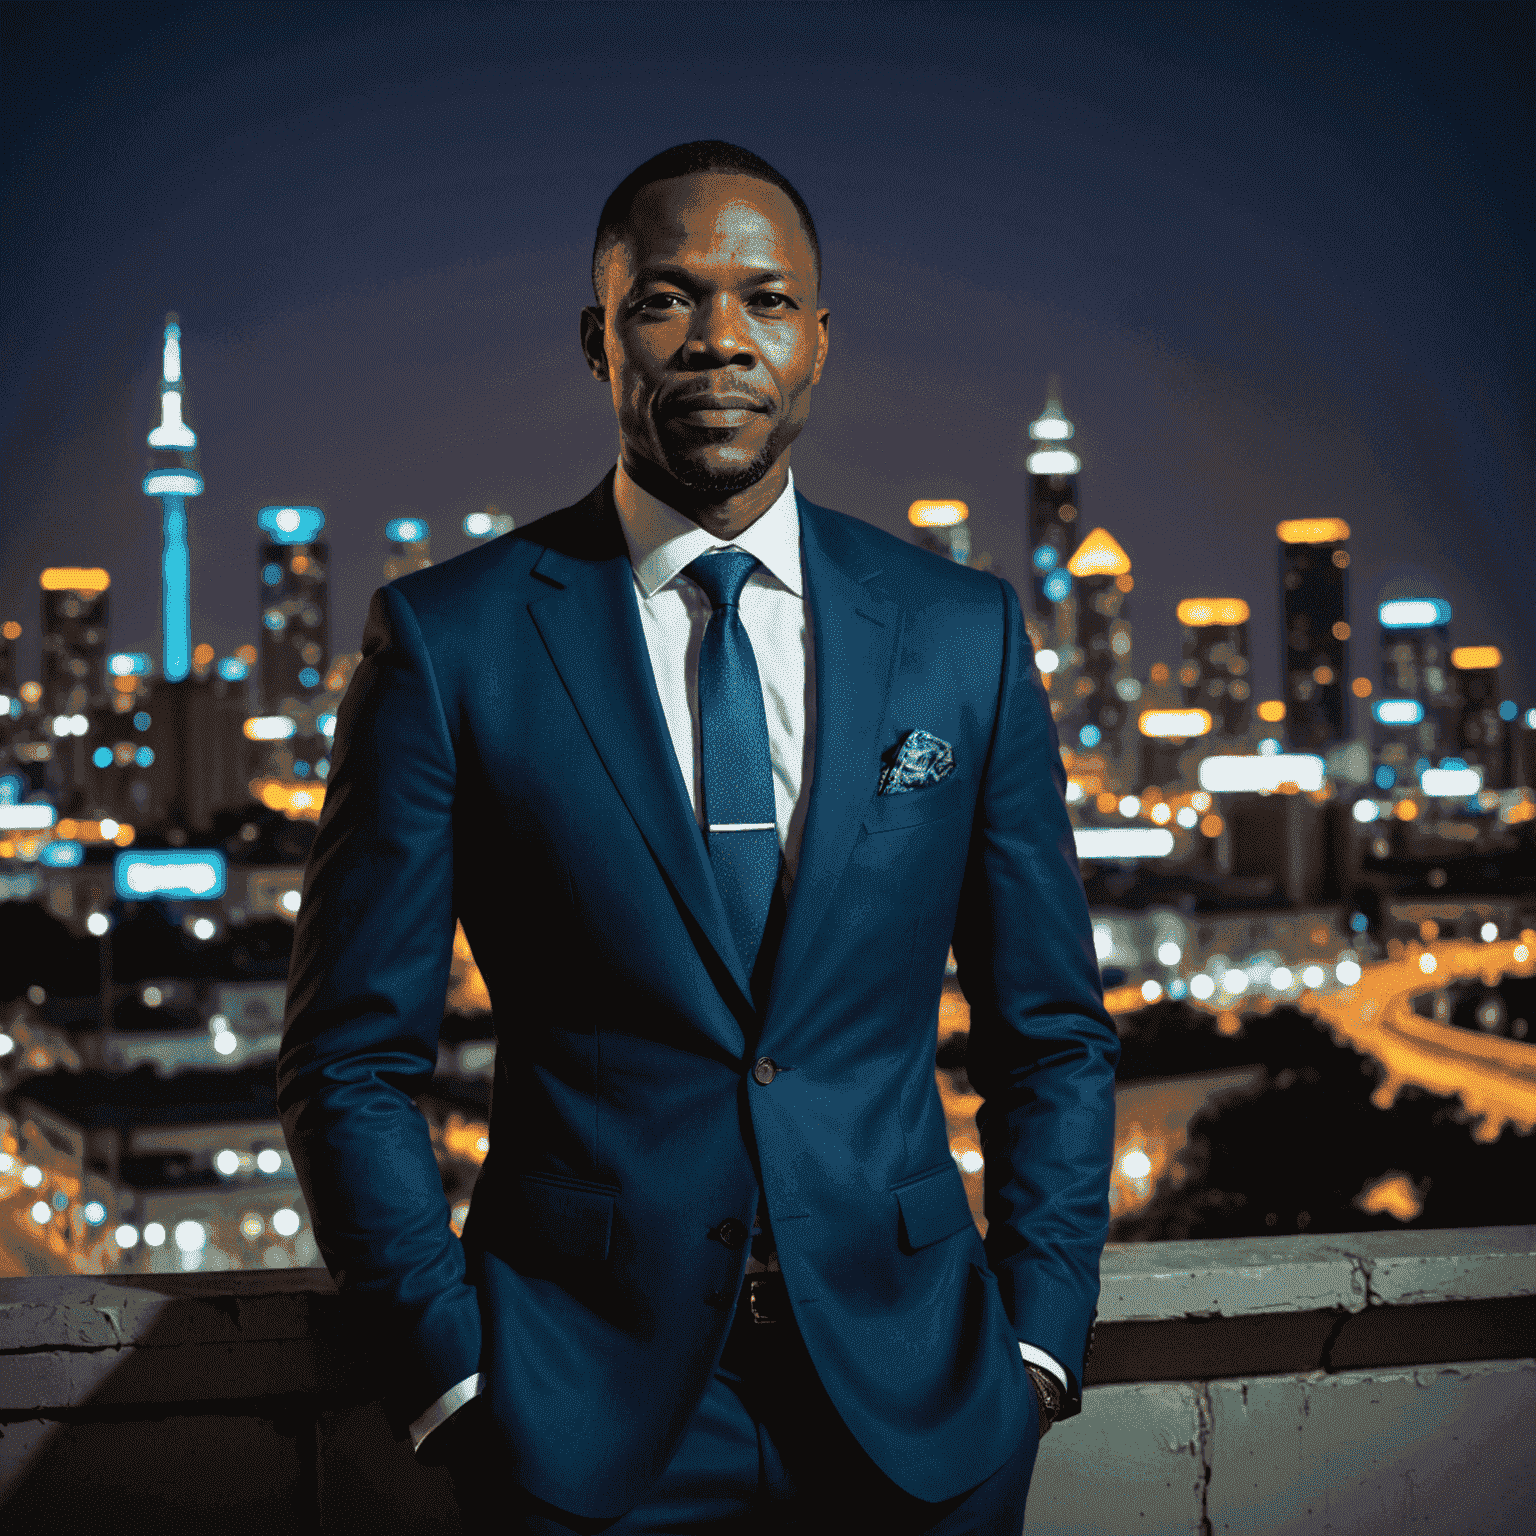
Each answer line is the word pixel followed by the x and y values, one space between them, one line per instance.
pixel 724 518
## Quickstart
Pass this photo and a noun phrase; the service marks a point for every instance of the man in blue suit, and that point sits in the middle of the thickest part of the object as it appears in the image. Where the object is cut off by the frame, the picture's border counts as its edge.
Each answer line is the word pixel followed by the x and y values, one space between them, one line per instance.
pixel 713 777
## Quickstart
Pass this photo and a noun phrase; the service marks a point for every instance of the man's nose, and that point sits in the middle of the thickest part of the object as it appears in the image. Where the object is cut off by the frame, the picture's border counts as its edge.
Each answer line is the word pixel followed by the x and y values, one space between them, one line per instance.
pixel 719 333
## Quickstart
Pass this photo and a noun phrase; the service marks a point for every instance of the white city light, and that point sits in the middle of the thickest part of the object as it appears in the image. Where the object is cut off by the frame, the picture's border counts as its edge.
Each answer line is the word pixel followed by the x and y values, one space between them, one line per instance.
pixel 1427 964
pixel 270 727
pixel 172 431
pixel 126 1236
pixel 1365 810
pixel 173 482
pixel 1130 806
pixel 1312 976
pixel 1398 711
pixel 1123 842
pixel 1235 981
pixel 1237 774
pixel 1201 986
pixel 225 1042
pixel 227 1162
pixel 1280 978
pixel 26 818
pixel 1348 972
pixel 1047 661
pixel 145 879
pixel 7 1045
pixel 268 1160
pixel 285 1222
pixel 42 1213
pixel 290 901
pixel 1054 461
pixel 1074 792
pixel 97 924
pixel 1151 991
pixel 191 1236
pixel 31 1175
pixel 1187 816
pixel 288 520
pixel 1490 931
pixel 1136 1164
pixel 1414 613
pixel 94 1212
pixel 970 1160
pixel 1451 783
pixel 1169 953
pixel 109 828
pixel 154 1234
pixel 203 928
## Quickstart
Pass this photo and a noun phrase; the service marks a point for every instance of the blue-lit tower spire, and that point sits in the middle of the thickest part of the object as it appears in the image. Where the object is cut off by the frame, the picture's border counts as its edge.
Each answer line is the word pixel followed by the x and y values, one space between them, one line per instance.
pixel 173 479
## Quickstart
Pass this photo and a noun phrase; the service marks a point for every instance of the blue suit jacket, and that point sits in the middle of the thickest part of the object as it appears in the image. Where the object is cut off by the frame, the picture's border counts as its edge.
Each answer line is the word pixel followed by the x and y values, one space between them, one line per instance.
pixel 501 757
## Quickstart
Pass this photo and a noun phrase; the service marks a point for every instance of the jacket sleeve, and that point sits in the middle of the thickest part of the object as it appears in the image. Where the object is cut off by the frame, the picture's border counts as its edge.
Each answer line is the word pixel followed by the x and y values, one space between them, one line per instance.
pixel 365 1001
pixel 1042 1050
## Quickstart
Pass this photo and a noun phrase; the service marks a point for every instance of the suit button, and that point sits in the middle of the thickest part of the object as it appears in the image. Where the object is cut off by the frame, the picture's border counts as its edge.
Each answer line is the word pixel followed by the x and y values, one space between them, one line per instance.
pixel 765 1070
pixel 731 1232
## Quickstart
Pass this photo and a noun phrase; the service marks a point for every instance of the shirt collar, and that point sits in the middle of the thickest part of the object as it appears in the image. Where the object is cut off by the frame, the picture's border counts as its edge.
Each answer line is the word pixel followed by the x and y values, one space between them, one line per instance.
pixel 662 541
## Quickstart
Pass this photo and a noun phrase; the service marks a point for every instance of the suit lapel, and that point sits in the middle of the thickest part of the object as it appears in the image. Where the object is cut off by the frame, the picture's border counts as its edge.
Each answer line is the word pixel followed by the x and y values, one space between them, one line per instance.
pixel 591 627
pixel 854 634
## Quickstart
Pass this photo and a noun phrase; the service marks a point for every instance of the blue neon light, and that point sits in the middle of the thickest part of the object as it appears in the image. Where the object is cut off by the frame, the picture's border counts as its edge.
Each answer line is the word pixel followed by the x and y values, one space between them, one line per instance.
pixel 102 757
pixel 291 525
pixel 406 530
pixel 1090 736
pixel 232 669
pixel 309 678
pixel 144 756
pixel 1057 585
pixel 176 591
pixel 63 853
pixel 1046 558
pixel 10 789
pixel 271 573
pixel 177 874
pixel 128 664
pixel 1508 709
pixel 1385 777
pixel 141 720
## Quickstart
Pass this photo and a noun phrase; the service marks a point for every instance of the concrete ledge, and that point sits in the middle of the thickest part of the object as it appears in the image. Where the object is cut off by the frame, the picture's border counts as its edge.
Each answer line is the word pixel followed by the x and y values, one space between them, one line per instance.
pixel 1290 1384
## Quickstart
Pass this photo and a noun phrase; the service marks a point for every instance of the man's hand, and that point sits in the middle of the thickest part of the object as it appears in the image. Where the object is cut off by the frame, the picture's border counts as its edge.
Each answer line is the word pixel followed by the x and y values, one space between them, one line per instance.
pixel 1047 1394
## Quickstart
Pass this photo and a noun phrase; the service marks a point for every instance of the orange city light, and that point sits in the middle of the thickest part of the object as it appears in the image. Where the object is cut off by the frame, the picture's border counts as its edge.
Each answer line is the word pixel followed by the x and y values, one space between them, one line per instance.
pixel 75 578
pixel 1099 555
pixel 1198 612
pixel 1272 711
pixel 937 514
pixel 1174 722
pixel 1474 658
pixel 202 656
pixel 11 629
pixel 1313 530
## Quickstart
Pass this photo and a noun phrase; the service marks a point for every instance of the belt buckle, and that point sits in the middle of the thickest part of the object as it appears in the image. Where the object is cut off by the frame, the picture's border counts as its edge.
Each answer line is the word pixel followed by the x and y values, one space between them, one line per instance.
pixel 760 1300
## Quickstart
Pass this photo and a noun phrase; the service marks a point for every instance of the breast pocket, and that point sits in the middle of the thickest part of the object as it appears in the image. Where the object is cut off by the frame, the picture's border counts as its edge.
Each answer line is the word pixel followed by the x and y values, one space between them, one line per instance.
pixel 912 807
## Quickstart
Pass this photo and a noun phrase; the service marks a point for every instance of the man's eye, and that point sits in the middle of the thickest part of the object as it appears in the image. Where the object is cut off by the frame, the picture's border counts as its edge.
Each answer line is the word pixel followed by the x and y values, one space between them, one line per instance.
pixel 661 301
pixel 771 300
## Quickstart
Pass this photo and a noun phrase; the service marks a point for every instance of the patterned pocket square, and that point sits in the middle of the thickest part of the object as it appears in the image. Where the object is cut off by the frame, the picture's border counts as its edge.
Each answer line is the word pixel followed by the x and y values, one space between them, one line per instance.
pixel 920 759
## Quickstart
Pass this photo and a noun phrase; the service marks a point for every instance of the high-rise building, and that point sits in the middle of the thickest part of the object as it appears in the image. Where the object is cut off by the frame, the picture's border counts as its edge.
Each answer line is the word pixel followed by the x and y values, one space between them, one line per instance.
pixel 1482 735
pixel 1052 518
pixel 295 637
pixel 173 478
pixel 1097 707
pixel 191 753
pixel 76 628
pixel 1314 599
pixel 1214 671
pixel 1418 712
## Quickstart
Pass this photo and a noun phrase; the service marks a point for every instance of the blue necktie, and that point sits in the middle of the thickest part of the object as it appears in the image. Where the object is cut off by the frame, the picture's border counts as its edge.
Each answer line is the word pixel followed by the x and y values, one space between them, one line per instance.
pixel 738 771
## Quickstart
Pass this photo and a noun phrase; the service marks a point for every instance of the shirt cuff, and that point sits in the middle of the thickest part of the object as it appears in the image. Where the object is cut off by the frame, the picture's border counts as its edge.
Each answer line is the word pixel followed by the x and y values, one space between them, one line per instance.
pixel 1037 1357
pixel 449 1403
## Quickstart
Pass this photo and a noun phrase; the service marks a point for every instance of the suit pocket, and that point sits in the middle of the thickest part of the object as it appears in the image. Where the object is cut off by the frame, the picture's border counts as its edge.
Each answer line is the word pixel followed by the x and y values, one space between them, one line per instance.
pixel 911 807
pixel 932 1207
pixel 567 1216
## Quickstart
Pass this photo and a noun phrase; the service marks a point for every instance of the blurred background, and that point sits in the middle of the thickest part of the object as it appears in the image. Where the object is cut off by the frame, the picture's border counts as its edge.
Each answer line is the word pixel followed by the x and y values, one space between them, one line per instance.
pixel 1209 328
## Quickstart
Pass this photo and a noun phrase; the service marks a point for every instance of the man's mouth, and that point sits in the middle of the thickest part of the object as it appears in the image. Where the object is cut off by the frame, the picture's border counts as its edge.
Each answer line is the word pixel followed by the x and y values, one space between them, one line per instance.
pixel 713 410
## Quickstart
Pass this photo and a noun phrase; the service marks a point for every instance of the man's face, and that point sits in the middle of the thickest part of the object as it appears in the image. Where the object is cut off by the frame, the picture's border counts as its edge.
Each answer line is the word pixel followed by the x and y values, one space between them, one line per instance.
pixel 709 335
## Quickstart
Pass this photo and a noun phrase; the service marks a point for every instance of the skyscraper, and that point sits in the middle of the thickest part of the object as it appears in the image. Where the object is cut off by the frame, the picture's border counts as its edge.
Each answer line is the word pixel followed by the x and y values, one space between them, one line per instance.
pixel 1101 570
pixel 295 632
pixel 1482 736
pixel 1052 512
pixel 1418 713
pixel 1214 672
pixel 173 478
pixel 1314 663
pixel 75 633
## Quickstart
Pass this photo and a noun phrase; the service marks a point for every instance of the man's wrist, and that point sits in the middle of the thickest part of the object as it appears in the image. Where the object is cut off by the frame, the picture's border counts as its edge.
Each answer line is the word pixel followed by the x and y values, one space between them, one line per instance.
pixel 1047 1393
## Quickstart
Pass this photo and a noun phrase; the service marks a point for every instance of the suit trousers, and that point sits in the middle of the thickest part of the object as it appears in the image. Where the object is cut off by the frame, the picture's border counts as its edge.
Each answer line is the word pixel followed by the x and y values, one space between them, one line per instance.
pixel 764 1453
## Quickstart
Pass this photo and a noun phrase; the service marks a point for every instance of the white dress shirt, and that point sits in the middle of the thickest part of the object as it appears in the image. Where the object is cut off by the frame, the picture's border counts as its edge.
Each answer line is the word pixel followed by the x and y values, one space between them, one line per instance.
pixel 673 614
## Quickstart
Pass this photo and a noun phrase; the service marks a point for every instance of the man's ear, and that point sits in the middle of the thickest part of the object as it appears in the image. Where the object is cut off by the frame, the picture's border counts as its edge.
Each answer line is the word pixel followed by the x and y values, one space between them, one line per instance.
pixel 593 334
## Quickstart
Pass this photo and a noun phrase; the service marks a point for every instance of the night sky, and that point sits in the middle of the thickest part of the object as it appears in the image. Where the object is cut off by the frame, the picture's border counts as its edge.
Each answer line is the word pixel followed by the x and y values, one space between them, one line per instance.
pixel 1280 257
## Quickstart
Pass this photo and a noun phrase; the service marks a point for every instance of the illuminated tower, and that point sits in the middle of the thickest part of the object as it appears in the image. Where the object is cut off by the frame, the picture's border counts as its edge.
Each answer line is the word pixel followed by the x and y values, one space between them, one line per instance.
pixel 412 538
pixel 1418 714
pixel 1097 708
pixel 75 633
pixel 944 529
pixel 295 631
pixel 173 479
pixel 1314 598
pixel 1053 470
pixel 1482 736
pixel 1214 673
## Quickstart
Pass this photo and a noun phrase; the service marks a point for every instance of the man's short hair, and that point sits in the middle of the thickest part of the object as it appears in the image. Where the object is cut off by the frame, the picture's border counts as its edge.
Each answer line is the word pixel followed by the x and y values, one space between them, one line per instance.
pixel 689 160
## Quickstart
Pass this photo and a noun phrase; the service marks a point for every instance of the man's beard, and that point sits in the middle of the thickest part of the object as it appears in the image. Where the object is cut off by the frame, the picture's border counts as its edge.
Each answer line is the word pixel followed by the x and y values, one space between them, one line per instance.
pixel 703 481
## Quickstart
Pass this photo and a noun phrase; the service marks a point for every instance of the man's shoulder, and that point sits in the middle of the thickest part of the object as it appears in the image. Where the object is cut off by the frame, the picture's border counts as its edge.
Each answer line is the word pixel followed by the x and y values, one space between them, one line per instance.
pixel 908 574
